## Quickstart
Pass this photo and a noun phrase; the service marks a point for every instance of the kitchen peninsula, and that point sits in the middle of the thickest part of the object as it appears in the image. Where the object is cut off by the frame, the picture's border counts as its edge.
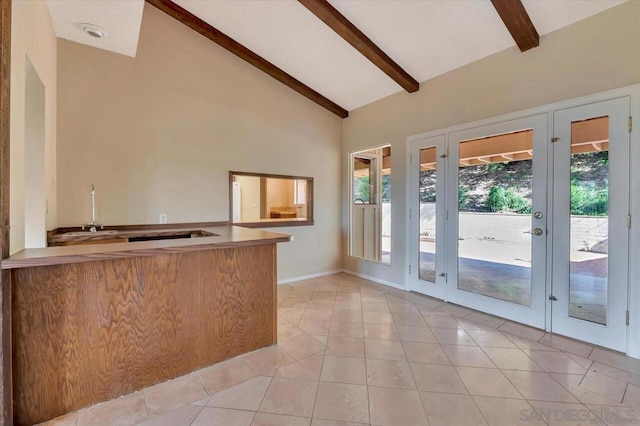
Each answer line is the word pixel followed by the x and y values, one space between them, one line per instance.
pixel 93 322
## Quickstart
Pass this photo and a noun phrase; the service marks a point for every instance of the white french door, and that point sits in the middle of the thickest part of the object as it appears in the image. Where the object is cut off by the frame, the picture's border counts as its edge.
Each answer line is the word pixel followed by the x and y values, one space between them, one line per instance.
pixel 427 216
pixel 497 223
pixel 590 215
pixel 461 250
pixel 516 217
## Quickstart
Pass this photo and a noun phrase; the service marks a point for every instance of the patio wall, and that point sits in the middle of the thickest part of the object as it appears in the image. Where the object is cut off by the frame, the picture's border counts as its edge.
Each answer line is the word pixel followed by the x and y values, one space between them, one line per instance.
pixel 589 233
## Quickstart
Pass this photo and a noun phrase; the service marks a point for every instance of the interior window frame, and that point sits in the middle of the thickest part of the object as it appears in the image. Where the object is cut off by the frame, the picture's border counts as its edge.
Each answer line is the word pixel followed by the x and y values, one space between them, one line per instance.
pixel 375 201
pixel 308 220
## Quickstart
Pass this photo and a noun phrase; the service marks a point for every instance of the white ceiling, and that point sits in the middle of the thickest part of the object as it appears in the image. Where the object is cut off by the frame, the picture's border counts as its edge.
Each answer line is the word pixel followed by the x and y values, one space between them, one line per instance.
pixel 425 37
pixel 121 19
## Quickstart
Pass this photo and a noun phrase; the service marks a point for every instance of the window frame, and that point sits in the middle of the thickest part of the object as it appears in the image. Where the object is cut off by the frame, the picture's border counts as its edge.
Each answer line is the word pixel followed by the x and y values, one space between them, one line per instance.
pixel 274 223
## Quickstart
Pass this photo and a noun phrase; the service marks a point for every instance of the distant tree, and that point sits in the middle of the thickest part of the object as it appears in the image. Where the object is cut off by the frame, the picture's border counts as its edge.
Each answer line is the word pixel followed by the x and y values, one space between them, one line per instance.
pixel 386 188
pixel 361 189
pixel 462 196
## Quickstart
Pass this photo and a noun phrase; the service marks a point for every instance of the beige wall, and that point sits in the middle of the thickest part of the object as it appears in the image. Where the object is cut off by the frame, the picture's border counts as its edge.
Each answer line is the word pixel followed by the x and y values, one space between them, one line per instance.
pixel 596 54
pixel 33 38
pixel 159 133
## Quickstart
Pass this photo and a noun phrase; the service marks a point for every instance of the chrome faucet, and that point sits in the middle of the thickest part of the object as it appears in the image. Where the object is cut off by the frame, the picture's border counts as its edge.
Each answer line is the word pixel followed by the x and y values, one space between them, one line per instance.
pixel 93 225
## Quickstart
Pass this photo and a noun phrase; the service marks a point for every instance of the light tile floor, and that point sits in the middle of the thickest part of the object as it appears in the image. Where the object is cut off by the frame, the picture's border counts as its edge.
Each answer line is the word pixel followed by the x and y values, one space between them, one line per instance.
pixel 352 352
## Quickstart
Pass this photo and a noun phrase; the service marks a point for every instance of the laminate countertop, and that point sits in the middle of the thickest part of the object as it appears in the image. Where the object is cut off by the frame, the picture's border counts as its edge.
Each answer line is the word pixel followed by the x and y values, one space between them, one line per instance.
pixel 208 238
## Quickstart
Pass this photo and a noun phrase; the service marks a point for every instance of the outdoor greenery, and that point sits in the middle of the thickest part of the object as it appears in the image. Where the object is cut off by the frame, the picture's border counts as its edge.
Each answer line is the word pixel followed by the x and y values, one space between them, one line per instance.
pixel 462 196
pixel 506 186
pixel 589 184
pixel 386 188
pixel 496 167
pixel 361 189
pixel 427 186
pixel 501 200
pixel 496 187
pixel 586 200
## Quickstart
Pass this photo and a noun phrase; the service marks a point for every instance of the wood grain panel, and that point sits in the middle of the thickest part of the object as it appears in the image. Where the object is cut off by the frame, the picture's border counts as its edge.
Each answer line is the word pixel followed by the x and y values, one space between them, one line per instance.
pixel 5 288
pixel 517 20
pixel 92 331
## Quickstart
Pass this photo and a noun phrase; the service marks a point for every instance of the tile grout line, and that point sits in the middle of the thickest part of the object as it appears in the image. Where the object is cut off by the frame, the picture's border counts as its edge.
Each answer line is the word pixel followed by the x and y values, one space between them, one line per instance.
pixel 196 416
pixel 463 383
pixel 366 378
pixel 146 407
pixel 366 369
pixel 315 400
pixel 204 386
pixel 426 416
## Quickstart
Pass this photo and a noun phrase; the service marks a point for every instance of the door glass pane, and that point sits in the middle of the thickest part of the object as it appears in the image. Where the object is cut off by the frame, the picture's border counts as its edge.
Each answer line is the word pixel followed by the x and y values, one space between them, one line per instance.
pixel 364 180
pixel 589 219
pixel 494 220
pixel 427 187
pixel 385 194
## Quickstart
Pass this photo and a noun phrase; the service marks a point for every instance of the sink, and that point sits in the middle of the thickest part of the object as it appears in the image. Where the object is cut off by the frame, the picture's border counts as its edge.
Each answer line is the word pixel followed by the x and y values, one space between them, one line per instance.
pixel 89 233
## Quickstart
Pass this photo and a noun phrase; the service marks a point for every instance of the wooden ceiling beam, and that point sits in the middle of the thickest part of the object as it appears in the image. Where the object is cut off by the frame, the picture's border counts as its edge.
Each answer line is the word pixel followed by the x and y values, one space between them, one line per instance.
pixel 517 21
pixel 192 21
pixel 356 38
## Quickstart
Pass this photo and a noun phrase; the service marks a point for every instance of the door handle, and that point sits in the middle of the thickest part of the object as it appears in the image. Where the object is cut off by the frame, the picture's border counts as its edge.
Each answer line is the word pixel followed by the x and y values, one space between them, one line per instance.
pixel 537 232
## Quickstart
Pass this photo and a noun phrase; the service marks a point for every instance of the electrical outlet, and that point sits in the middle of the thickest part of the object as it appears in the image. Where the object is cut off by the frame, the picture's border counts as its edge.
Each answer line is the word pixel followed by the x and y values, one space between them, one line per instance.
pixel 163 218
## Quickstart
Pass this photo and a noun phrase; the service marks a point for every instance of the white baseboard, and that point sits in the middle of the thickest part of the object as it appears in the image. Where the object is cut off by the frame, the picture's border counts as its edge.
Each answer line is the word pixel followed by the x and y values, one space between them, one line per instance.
pixel 375 280
pixel 307 277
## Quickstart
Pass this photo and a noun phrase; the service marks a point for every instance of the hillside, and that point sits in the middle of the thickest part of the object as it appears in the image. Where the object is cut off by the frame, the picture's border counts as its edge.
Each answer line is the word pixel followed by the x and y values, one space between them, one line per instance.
pixel 507 186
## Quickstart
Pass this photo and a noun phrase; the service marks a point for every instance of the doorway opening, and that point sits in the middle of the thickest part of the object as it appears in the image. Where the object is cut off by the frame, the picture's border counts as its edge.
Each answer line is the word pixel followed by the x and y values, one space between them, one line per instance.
pixel 494 216
pixel 35 200
pixel 536 224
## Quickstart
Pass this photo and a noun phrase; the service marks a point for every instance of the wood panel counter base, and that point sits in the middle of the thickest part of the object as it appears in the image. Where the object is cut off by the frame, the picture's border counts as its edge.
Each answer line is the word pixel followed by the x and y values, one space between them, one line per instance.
pixel 91 331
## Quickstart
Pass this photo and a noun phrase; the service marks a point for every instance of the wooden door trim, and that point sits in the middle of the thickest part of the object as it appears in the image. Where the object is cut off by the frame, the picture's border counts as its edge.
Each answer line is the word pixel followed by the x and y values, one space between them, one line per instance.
pixel 6 392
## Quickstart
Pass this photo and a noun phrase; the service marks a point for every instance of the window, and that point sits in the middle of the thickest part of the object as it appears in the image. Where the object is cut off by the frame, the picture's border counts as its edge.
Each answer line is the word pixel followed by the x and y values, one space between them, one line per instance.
pixel 370 231
pixel 263 200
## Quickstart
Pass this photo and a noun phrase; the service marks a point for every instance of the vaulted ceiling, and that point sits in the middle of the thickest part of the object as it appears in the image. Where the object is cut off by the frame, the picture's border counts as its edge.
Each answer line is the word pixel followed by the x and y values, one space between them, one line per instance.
pixel 424 38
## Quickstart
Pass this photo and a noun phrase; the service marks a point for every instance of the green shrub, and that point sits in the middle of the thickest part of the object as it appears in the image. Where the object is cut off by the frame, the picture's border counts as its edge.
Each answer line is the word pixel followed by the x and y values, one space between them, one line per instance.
pixel 462 196
pixel 589 201
pixel 496 167
pixel 361 189
pixel 497 199
pixel 500 199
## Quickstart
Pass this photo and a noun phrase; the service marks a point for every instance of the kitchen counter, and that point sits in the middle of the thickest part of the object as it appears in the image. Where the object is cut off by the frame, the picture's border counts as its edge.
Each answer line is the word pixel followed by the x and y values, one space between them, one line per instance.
pixel 213 237
pixel 93 322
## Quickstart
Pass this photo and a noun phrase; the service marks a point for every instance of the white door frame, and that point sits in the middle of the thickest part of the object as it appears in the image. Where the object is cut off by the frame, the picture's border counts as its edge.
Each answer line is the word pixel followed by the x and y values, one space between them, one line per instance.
pixel 614 333
pixel 433 289
pixel 633 341
pixel 533 315
pixel 377 206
